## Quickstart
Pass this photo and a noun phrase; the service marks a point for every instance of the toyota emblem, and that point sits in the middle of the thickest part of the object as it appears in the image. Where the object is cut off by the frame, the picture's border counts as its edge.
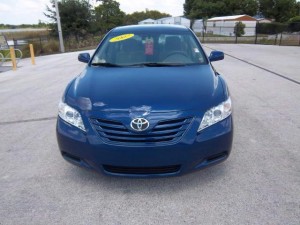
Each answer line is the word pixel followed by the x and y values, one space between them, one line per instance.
pixel 139 124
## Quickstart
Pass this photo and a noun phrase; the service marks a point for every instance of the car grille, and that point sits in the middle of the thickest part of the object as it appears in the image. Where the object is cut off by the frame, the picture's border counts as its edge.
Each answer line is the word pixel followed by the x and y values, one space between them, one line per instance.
pixel 163 131
pixel 141 170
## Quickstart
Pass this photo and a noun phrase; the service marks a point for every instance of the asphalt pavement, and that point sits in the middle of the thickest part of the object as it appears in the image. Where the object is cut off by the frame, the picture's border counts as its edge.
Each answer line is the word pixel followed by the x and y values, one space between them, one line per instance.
pixel 258 184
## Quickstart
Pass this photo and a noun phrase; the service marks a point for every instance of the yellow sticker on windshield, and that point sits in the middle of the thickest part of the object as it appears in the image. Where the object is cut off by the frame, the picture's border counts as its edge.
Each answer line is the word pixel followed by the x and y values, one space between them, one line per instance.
pixel 121 37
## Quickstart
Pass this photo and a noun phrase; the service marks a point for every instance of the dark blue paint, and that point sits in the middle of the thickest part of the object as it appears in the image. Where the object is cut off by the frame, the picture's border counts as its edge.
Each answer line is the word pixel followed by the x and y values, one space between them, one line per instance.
pixel 84 57
pixel 156 94
pixel 165 88
pixel 216 56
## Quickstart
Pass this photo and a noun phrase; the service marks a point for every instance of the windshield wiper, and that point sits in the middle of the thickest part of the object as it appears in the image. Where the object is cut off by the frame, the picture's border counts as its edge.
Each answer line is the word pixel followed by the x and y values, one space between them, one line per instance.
pixel 157 64
pixel 106 64
pixel 150 64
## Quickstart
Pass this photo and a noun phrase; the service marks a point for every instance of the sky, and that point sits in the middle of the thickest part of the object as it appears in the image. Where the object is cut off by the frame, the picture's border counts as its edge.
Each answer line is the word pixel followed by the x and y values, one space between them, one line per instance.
pixel 31 11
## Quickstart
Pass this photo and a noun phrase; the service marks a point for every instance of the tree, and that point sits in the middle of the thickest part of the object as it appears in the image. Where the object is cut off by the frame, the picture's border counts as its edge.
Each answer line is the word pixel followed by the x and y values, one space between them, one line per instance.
pixel 248 7
pixel 280 10
pixel 239 29
pixel 75 16
pixel 196 9
pixel 188 8
pixel 136 17
pixel 108 15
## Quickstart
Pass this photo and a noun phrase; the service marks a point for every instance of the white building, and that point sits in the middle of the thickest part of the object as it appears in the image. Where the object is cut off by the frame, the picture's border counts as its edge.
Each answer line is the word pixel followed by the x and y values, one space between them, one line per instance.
pixel 198 26
pixel 147 21
pixel 168 20
pixel 225 25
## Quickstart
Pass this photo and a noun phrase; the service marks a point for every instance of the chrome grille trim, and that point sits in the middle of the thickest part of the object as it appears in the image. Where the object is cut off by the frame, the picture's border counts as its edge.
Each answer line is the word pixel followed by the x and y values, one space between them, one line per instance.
pixel 162 132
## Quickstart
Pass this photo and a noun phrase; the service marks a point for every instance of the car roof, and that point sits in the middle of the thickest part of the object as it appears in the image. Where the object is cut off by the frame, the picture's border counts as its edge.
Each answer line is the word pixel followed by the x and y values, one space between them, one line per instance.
pixel 150 27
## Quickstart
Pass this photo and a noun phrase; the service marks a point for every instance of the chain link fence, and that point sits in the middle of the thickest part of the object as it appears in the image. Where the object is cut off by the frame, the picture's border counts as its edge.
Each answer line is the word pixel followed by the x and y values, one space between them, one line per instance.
pixel 261 33
pixel 46 44
pixel 271 34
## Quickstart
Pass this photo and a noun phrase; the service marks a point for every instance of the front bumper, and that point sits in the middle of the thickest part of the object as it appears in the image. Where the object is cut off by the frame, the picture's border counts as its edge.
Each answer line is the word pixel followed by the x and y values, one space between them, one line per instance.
pixel 192 152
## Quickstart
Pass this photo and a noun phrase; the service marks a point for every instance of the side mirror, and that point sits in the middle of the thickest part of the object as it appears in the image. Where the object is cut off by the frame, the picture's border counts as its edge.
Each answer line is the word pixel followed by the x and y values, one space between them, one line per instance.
pixel 216 56
pixel 84 57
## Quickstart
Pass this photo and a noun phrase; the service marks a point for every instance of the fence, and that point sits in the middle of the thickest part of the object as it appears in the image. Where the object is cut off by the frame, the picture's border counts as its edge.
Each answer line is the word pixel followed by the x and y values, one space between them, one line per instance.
pixel 272 34
pixel 44 45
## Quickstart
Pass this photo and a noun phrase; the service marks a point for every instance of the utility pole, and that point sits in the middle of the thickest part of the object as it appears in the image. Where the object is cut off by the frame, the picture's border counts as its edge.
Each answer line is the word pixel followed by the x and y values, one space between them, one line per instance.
pixel 61 40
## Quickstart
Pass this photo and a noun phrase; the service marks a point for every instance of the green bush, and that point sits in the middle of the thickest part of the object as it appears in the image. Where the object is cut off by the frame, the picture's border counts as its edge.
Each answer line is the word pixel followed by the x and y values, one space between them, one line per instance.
pixel 294 24
pixel 49 47
pixel 295 19
pixel 271 28
pixel 87 42
pixel 239 29
pixel 52 46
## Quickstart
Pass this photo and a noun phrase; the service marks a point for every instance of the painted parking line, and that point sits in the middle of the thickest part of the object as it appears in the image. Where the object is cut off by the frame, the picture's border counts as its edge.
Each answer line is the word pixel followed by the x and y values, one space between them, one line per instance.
pixel 260 67
pixel 29 120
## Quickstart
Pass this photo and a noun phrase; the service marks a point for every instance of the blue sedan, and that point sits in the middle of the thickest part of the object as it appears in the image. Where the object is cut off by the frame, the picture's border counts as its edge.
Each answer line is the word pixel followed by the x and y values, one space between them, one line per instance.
pixel 148 104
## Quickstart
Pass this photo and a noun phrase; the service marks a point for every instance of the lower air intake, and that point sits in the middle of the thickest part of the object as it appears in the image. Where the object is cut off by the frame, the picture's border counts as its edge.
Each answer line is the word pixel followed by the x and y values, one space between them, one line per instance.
pixel 141 170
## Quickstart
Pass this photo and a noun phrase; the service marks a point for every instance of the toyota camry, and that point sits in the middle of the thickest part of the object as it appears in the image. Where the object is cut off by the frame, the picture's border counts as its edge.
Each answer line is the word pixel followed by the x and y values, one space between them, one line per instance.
pixel 148 104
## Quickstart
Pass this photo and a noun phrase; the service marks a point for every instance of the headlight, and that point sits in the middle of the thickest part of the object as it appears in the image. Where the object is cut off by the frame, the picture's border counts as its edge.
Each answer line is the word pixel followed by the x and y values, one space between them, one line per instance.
pixel 216 114
pixel 70 115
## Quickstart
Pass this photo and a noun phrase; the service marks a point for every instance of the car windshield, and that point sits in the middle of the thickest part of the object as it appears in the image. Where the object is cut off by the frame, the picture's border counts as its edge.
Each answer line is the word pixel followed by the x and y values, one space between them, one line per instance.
pixel 149 48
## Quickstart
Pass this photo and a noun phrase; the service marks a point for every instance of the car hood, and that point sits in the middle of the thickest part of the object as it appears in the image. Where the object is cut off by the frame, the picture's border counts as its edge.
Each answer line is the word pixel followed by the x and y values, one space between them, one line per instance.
pixel 146 88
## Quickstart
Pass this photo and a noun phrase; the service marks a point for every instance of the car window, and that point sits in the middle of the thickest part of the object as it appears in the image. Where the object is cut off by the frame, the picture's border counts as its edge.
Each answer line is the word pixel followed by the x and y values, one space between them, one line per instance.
pixel 134 48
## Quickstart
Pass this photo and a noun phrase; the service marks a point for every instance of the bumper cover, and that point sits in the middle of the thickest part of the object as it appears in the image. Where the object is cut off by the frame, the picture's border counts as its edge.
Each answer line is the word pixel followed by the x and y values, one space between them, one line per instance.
pixel 192 152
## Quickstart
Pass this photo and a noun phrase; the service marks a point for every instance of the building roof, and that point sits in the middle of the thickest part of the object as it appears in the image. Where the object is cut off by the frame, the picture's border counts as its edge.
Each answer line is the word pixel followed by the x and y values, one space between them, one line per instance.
pixel 264 20
pixel 233 18
pixel 147 21
pixel 170 17
pixel 164 18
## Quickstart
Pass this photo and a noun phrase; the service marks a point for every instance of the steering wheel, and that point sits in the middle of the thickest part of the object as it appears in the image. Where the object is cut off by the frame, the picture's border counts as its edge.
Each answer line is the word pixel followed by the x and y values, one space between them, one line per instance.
pixel 176 53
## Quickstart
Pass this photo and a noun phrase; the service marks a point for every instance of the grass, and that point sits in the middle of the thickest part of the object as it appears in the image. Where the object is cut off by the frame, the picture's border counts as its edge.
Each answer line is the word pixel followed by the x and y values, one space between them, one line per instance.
pixel 45 44
pixel 25 34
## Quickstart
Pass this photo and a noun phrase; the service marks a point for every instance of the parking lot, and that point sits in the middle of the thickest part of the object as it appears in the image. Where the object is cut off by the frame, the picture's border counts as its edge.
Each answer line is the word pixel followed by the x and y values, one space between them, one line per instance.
pixel 258 184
